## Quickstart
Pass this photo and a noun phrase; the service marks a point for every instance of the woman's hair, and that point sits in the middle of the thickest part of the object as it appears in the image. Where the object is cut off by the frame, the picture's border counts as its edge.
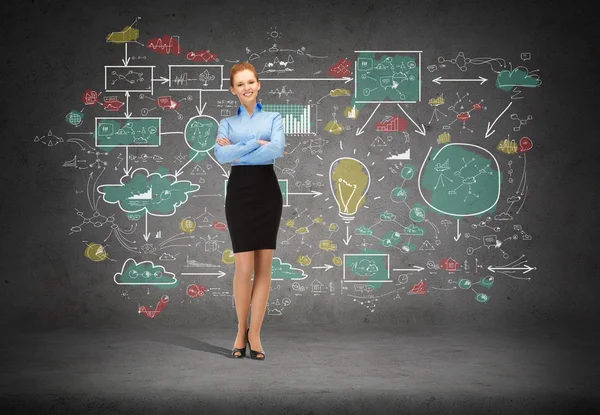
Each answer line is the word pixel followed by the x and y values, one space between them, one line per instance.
pixel 238 67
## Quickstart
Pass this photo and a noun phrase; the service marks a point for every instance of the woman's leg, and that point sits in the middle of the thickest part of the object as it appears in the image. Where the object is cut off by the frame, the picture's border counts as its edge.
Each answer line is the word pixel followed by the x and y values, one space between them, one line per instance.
pixel 263 261
pixel 242 291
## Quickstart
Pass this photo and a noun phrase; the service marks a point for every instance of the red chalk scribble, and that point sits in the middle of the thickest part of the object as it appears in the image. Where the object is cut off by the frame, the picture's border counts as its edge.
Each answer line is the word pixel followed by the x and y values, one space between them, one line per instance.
pixel 419 288
pixel 167 102
pixel 525 144
pixel 164 45
pixel 159 307
pixel 449 264
pixel 340 69
pixel 195 290
pixel 463 116
pixel 392 123
pixel 90 97
pixel 112 104
pixel 219 225
pixel 201 56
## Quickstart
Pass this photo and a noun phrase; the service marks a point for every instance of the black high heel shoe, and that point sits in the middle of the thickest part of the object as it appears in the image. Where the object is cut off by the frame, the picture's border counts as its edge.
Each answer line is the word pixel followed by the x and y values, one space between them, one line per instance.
pixel 242 351
pixel 254 354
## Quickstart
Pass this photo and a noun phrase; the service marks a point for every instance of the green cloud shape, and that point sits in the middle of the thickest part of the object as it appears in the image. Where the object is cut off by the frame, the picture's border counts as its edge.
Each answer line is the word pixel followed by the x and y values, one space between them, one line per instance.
pixel 412 229
pixel 392 236
pixel 519 76
pixel 158 194
pixel 363 230
pixel 387 216
pixel 284 271
pixel 144 273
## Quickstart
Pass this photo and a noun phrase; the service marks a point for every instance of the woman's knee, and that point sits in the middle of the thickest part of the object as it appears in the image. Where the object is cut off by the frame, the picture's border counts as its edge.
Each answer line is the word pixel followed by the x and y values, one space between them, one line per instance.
pixel 241 272
pixel 263 261
pixel 244 264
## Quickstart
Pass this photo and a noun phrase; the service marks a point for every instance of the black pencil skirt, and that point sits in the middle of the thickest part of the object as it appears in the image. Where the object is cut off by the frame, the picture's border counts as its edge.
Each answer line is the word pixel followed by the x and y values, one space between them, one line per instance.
pixel 253 206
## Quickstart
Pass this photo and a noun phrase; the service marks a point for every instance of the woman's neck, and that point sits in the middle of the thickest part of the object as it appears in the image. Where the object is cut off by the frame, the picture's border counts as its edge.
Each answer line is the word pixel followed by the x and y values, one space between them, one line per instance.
pixel 250 108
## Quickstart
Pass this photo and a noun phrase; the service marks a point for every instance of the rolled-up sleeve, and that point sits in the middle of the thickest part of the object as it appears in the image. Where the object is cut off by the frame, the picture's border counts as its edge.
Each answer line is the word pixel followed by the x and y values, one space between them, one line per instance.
pixel 273 149
pixel 227 154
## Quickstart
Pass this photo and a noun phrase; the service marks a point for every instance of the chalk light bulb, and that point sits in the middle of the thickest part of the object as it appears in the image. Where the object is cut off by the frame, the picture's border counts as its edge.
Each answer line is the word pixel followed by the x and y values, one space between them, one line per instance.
pixel 349 180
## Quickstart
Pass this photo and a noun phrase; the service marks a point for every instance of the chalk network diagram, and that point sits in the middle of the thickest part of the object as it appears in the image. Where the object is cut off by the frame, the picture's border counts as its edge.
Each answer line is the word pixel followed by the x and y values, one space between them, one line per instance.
pixel 404 174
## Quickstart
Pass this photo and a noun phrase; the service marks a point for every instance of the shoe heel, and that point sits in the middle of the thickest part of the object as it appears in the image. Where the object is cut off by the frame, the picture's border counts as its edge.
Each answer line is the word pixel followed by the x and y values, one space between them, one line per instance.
pixel 241 351
pixel 254 353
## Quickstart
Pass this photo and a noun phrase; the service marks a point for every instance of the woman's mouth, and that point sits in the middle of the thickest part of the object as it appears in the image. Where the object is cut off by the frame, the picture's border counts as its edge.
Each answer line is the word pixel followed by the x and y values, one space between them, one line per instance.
pixel 248 94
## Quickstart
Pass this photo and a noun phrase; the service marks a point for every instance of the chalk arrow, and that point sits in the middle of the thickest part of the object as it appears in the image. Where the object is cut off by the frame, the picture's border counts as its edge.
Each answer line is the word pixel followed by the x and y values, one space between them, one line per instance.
pixel 218 274
pixel 457 237
pixel 420 130
pixel 361 129
pixel 126 60
pixel 439 79
pixel 345 78
pixel 163 79
pixel 146 234
pixel 527 268
pixel 127 169
pixel 225 173
pixel 127 113
pixel 489 130
pixel 314 193
pixel 180 170
pixel 348 237
pixel 327 267
pixel 415 268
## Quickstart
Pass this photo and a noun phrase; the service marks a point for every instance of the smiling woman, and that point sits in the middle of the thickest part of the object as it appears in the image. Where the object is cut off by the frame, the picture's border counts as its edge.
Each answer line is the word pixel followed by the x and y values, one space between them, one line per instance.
pixel 251 141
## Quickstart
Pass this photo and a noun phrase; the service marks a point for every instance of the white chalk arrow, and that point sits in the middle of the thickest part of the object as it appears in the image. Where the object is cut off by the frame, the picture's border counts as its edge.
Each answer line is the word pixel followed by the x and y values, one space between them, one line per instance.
pixel 127 113
pixel 439 79
pixel 162 80
pixel 218 274
pixel 457 237
pixel 527 268
pixel 348 237
pixel 489 130
pixel 415 268
pixel 361 129
pixel 420 130
pixel 127 169
pixel 314 193
pixel 126 60
pixel 225 173
pixel 146 234
pixel 200 111
pixel 345 78
pixel 327 267
pixel 180 170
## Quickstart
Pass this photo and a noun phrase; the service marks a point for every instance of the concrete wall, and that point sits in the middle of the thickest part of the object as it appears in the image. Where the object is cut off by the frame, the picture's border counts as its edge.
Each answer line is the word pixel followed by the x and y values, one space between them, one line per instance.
pixel 55 51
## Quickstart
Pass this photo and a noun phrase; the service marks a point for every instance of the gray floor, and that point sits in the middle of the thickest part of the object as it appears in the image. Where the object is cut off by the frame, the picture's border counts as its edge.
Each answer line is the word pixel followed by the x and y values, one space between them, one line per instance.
pixel 308 369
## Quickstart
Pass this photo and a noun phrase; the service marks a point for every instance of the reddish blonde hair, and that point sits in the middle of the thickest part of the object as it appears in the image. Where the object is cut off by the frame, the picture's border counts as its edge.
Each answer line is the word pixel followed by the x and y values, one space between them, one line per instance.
pixel 238 67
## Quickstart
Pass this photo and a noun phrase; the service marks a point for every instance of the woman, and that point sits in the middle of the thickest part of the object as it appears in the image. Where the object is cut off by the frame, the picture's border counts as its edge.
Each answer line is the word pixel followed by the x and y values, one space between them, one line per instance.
pixel 251 141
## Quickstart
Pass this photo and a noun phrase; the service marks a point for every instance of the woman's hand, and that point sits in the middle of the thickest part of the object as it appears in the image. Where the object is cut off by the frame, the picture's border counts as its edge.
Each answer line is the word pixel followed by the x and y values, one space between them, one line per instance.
pixel 223 141
pixel 262 142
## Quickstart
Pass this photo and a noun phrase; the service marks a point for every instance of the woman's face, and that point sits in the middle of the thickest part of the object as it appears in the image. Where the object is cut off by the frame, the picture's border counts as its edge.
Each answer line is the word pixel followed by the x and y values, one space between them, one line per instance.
pixel 245 86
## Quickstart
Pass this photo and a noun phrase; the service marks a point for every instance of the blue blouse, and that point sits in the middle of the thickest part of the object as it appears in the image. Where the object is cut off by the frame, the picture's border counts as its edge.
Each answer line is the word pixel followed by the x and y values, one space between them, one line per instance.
pixel 244 131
